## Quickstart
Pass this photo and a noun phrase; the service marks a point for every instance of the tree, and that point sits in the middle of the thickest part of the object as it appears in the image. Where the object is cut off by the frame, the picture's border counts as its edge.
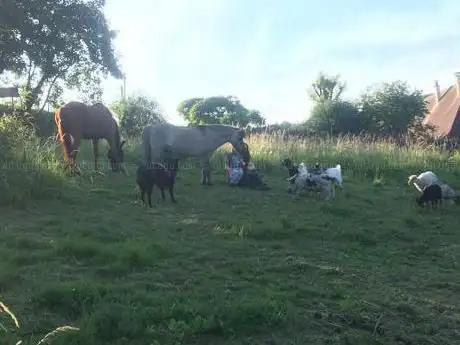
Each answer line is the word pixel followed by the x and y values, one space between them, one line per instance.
pixel 56 43
pixel 326 88
pixel 390 108
pixel 136 112
pixel 218 109
pixel 335 117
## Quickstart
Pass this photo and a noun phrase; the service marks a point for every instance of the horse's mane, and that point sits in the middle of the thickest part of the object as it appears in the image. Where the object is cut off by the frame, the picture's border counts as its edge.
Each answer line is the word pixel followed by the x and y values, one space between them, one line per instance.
pixel 114 116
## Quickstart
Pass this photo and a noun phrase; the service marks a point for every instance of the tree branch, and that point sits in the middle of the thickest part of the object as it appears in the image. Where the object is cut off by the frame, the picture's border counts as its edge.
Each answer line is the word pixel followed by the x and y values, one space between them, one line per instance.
pixel 49 92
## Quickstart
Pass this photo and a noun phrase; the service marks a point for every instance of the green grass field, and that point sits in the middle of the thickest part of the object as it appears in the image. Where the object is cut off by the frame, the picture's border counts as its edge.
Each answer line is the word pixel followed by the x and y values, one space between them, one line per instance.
pixel 237 266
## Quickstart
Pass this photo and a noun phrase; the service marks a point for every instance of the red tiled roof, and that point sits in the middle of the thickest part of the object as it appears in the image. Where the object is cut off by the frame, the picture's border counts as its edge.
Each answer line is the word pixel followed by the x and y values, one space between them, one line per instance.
pixel 444 115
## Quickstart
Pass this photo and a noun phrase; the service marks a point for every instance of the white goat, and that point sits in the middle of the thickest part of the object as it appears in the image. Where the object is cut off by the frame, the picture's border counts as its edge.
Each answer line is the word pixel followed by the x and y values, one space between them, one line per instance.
pixel 423 180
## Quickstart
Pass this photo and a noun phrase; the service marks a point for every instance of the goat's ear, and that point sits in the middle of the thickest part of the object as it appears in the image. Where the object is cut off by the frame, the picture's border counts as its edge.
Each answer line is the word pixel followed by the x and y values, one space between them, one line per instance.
pixel 122 143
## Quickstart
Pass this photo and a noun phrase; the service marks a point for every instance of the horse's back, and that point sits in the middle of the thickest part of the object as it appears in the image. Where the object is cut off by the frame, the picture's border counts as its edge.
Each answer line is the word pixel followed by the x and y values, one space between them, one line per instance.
pixel 90 122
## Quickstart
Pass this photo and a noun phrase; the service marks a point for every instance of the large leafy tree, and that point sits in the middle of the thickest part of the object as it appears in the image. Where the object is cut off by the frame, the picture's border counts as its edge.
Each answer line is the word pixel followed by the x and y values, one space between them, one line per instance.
pixel 219 109
pixel 336 117
pixel 391 108
pixel 49 44
pixel 136 112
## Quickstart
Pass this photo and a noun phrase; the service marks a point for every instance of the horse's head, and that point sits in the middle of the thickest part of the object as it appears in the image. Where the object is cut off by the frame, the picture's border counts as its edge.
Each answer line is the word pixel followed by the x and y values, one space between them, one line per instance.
pixel 236 140
pixel 115 156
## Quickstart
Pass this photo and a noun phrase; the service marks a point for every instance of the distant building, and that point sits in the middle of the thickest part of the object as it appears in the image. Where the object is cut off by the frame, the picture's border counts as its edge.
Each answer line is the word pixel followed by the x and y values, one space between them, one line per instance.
pixel 444 109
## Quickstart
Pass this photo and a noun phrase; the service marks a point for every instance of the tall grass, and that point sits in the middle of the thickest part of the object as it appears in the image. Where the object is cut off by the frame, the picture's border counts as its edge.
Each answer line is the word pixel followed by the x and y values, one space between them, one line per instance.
pixel 31 167
pixel 357 155
pixel 9 336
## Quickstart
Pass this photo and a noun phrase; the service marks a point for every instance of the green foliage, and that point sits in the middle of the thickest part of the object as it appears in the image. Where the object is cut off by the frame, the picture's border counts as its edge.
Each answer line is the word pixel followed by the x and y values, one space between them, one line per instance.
pixel 224 110
pixel 390 108
pixel 335 117
pixel 326 88
pixel 29 168
pixel 136 112
pixel 51 43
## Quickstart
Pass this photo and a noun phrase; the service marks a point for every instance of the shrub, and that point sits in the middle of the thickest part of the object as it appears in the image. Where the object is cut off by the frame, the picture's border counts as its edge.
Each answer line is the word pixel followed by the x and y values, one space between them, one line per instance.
pixel 29 168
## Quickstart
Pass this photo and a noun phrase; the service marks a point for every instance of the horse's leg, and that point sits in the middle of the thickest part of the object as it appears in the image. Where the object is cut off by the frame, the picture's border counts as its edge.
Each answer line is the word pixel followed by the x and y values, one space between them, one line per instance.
pixel 142 196
pixel 205 171
pixel 171 194
pixel 67 144
pixel 162 193
pixel 150 190
pixel 95 153
pixel 75 148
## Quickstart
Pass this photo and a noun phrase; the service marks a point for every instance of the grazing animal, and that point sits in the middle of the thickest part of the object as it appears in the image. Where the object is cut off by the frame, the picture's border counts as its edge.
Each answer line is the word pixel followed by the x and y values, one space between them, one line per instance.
pixel 198 141
pixel 163 176
pixel 317 183
pixel 76 121
pixel 321 185
pixel 423 180
pixel 432 193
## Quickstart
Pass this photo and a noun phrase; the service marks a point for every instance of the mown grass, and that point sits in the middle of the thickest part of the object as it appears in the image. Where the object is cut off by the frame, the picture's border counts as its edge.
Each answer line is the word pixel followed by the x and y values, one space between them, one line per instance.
pixel 237 266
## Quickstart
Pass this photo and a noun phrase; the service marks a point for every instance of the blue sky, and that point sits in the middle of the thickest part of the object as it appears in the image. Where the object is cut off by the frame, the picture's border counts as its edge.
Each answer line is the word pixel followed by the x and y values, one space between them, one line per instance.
pixel 267 52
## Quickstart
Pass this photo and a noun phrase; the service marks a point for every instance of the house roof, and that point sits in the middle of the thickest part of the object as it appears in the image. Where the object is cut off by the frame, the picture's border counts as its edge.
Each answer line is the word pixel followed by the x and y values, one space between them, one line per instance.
pixel 444 115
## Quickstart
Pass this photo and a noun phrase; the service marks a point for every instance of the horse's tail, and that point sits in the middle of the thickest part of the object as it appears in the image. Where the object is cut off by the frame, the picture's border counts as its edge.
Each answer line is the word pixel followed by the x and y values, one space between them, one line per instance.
pixel 65 139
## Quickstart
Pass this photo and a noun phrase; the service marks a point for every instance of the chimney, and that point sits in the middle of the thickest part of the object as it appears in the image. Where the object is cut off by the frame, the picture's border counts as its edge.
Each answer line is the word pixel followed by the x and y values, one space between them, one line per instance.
pixel 457 79
pixel 437 91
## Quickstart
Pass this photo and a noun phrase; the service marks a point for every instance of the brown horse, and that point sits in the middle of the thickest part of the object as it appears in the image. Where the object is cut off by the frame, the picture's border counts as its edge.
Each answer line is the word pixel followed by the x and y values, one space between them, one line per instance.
pixel 76 121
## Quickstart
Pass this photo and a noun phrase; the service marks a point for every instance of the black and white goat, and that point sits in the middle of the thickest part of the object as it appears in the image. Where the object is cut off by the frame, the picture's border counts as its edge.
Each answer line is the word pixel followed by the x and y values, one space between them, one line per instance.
pixel 317 180
pixel 304 180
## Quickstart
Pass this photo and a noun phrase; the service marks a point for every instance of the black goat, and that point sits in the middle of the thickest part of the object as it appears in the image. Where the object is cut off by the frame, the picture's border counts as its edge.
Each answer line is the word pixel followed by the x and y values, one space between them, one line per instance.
pixel 158 174
pixel 431 193
pixel 292 168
